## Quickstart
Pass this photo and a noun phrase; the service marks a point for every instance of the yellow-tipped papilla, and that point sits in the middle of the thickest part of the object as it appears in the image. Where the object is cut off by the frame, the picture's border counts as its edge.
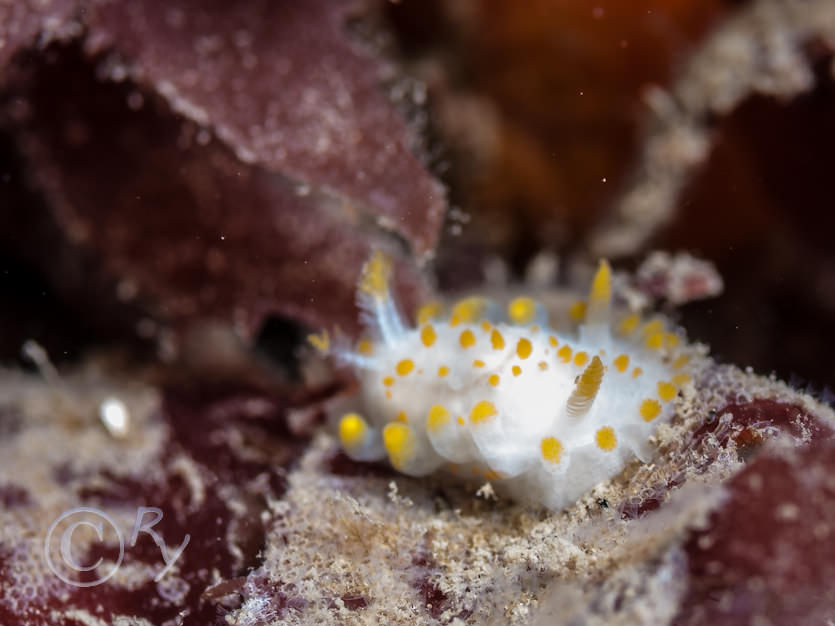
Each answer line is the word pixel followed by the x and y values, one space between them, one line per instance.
pixel 374 298
pixel 358 439
pixel 409 451
pixel 320 341
pixel 448 435
pixel 473 309
pixel 376 274
pixel 525 311
pixel 598 309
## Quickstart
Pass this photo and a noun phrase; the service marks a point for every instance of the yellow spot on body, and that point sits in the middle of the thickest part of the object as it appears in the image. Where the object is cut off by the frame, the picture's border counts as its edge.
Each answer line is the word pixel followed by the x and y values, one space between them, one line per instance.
pixel 486 326
pixel 666 391
pixel 365 346
pixel 404 367
pixel 577 311
pixel 438 418
pixel 535 328
pixel 517 370
pixel 671 340
pixel 628 324
pixel 375 275
pixel 443 371
pixel 466 339
pixel 521 310
pixel 553 341
pixel 581 358
pixel 388 394
pixel 478 363
pixel 352 430
pixel 428 335
pixel 401 417
pixel 524 348
pixel 681 361
pixel 321 341
pixel 454 321
pixel 637 372
pixel 461 420
pixel 399 441
pixel 483 412
pixel 621 362
pixel 542 365
pixel 494 380
pixel 655 341
pixel 650 409
pixel 469 310
pixel 388 381
pixel 564 354
pixel 681 379
pixel 429 311
pixel 606 439
pixel 497 340
pixel 586 388
pixel 551 448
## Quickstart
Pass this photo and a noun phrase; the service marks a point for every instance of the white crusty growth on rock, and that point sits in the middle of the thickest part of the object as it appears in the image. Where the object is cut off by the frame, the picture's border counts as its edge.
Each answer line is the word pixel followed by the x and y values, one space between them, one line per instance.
pixel 545 416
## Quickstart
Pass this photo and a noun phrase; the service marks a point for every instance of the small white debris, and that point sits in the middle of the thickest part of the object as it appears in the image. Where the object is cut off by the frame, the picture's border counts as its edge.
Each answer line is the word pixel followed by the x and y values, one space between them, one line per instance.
pixel 487 492
pixel 115 417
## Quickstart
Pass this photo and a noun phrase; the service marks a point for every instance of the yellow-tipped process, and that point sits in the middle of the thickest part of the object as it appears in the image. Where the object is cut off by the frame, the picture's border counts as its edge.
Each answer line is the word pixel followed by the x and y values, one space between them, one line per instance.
pixel 521 310
pixel 482 412
pixel 437 418
pixel 321 341
pixel 429 311
pixel 352 431
pixel 551 449
pixel 399 441
pixel 375 276
pixel 628 324
pixel 577 311
pixel 470 310
pixel 600 295
pixel 588 384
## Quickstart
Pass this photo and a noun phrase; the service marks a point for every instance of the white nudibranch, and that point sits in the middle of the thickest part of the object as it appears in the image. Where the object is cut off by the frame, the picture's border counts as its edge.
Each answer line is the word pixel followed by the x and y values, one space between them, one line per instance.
pixel 544 416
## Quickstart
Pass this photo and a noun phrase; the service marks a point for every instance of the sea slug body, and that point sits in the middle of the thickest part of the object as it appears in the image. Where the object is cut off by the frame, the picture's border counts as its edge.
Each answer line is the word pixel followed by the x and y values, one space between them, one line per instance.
pixel 543 415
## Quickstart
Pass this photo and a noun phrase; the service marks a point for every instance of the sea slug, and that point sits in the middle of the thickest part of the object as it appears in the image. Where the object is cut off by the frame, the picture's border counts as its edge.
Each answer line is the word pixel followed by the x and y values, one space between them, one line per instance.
pixel 544 416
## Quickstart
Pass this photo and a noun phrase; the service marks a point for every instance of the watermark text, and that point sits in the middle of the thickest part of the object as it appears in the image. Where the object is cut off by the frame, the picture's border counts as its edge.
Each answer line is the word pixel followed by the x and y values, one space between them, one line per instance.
pixel 63 562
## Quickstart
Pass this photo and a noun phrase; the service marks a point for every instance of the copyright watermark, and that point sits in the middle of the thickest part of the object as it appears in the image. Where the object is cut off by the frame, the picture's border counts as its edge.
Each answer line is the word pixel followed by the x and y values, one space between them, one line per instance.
pixel 88 527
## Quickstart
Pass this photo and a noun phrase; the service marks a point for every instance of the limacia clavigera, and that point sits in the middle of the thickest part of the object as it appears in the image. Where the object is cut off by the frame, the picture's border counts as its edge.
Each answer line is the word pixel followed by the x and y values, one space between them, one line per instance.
pixel 474 391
